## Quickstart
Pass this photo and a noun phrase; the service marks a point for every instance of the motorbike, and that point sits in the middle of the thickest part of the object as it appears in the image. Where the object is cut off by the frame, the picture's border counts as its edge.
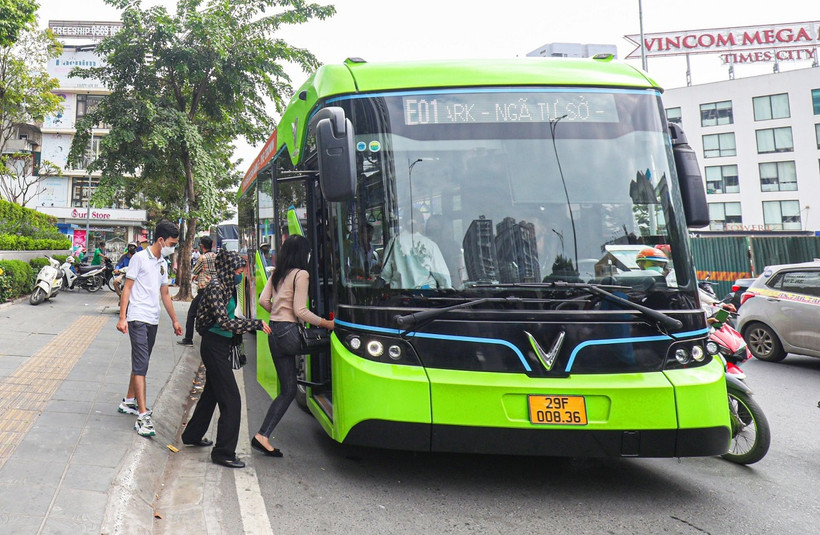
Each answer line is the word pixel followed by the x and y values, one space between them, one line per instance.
pixel 751 434
pixel 49 282
pixel 108 273
pixel 88 277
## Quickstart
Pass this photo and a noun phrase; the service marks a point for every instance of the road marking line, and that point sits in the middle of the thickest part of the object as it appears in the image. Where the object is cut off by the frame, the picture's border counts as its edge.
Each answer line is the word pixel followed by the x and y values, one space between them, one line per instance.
pixel 25 393
pixel 252 509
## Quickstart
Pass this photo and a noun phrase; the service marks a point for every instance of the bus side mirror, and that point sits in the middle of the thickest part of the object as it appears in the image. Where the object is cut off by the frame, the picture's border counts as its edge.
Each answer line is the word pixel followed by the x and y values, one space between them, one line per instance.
pixel 336 154
pixel 692 191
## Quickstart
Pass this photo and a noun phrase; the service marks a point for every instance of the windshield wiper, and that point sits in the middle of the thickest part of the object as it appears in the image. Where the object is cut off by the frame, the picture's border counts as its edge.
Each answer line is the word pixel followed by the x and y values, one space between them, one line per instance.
pixel 408 321
pixel 599 290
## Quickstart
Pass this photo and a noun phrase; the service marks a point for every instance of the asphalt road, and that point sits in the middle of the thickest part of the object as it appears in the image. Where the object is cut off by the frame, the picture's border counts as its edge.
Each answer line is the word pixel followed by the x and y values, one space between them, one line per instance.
pixel 323 487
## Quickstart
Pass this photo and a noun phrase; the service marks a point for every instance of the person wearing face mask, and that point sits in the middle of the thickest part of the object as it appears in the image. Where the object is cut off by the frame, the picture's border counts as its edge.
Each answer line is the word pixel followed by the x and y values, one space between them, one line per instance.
pixel 217 324
pixel 146 285
pixel 653 259
pixel 122 264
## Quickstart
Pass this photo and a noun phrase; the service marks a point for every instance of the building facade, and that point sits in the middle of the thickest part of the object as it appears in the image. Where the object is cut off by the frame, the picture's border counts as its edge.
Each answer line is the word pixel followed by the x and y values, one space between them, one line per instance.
pixel 758 146
pixel 66 195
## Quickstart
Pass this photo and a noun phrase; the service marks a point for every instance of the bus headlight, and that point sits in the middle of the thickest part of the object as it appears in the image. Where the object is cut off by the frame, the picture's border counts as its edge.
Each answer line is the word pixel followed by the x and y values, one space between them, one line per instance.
pixel 687 354
pixel 375 348
pixel 711 348
pixel 394 352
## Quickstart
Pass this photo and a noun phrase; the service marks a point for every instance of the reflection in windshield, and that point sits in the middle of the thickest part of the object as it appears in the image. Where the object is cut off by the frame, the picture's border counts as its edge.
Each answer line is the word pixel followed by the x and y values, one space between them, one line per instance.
pixel 455 206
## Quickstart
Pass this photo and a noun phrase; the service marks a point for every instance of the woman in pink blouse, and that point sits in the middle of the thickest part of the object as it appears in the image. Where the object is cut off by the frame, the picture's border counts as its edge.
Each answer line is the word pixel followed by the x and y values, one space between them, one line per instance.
pixel 285 297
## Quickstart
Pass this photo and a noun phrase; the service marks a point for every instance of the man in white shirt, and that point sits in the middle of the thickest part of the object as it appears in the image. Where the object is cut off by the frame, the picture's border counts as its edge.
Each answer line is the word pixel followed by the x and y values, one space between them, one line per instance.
pixel 146 283
pixel 412 260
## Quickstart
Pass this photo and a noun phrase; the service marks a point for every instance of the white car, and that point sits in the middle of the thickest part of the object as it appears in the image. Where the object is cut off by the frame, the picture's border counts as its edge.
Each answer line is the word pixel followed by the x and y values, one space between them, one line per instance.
pixel 780 312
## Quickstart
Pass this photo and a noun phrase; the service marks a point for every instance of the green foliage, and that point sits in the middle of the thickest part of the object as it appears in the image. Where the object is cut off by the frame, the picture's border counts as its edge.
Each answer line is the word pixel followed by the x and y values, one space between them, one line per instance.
pixel 37 263
pixel 17 220
pixel 20 276
pixel 22 229
pixel 15 16
pixel 5 288
pixel 184 87
pixel 11 242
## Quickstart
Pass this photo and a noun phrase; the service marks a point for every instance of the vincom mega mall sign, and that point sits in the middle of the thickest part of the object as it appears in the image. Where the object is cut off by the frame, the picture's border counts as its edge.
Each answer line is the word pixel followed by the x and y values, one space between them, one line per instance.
pixel 797 41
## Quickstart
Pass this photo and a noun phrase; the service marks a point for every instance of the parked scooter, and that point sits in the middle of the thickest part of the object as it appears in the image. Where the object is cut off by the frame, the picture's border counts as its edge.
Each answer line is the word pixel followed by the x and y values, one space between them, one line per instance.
pixel 49 282
pixel 751 435
pixel 88 277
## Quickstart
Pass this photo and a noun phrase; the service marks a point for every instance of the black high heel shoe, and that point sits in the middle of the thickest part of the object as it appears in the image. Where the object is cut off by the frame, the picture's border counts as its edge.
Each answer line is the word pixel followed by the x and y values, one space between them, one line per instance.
pixel 255 444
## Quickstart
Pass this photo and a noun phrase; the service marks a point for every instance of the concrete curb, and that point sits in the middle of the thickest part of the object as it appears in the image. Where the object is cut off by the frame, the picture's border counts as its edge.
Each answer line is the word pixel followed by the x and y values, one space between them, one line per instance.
pixel 130 500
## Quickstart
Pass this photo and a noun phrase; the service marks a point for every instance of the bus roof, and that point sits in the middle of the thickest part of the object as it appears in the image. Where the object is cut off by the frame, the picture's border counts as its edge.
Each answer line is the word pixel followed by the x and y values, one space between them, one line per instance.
pixel 356 76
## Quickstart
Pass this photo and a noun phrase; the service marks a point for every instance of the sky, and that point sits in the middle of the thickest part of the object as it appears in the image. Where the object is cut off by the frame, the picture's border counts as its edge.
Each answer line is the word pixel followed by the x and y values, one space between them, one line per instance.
pixel 454 29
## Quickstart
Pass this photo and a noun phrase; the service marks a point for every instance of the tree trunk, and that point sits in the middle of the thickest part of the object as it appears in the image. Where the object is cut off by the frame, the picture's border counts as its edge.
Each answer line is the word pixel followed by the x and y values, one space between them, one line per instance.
pixel 184 260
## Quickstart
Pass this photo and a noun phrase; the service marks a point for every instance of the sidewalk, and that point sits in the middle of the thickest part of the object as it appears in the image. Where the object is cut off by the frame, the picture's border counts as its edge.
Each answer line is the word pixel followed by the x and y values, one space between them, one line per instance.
pixel 69 462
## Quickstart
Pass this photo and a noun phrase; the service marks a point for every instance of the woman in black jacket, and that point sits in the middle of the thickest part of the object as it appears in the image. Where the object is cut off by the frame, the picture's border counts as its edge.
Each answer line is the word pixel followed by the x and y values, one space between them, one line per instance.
pixel 216 323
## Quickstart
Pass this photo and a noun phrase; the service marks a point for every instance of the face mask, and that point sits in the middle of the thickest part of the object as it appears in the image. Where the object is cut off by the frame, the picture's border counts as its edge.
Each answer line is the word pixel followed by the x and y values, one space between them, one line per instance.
pixel 167 250
pixel 658 269
pixel 237 278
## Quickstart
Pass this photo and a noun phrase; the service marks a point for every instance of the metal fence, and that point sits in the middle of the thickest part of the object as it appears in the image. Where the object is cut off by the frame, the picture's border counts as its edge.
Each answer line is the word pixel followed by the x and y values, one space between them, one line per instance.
pixel 727 258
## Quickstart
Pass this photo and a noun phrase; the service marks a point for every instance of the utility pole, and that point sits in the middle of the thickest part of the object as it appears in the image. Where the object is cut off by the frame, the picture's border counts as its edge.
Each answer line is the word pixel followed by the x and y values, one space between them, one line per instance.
pixel 88 201
pixel 643 42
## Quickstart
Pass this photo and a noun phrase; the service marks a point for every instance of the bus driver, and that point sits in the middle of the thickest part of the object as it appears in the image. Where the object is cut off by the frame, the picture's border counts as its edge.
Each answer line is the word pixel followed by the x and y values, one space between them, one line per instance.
pixel 412 260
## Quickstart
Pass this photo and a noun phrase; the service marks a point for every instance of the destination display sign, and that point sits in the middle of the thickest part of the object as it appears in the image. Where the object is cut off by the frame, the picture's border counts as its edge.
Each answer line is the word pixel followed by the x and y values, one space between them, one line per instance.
pixel 509 107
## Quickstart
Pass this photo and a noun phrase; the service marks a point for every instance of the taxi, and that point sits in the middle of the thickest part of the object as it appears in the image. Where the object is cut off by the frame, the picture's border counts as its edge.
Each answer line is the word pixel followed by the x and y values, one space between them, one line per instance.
pixel 780 312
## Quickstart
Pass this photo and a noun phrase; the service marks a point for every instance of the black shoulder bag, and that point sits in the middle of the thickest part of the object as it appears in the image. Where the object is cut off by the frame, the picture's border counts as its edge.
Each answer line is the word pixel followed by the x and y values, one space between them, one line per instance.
pixel 314 339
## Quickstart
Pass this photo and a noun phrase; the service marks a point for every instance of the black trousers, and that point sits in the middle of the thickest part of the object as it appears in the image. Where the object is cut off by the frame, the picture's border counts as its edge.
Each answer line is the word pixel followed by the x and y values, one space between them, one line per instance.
pixel 220 389
pixel 189 321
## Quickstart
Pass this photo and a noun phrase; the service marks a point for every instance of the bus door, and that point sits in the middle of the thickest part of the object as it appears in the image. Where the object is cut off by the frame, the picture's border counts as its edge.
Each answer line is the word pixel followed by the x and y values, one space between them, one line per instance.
pixel 300 209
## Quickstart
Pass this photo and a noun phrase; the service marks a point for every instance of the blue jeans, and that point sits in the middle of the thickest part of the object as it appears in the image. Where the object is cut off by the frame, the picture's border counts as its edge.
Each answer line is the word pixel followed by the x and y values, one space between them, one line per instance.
pixel 282 340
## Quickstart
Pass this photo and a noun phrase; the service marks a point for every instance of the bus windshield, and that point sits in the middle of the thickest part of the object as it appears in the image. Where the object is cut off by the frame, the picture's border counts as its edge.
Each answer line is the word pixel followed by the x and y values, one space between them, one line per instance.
pixel 482 188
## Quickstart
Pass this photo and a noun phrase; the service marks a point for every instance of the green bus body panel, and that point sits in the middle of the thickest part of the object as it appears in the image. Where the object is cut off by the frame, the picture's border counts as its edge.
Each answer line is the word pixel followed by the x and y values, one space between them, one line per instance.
pixel 357 78
pixel 265 371
pixel 365 390
pixel 676 399
pixel 478 73
pixel 623 401
pixel 700 395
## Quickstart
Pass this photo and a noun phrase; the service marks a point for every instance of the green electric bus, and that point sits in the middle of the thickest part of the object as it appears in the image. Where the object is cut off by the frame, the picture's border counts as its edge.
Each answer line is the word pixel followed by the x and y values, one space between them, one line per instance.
pixel 474 228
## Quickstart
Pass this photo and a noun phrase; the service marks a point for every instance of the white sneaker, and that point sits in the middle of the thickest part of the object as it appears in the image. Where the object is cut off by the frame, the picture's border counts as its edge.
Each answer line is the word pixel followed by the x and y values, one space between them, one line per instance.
pixel 144 426
pixel 128 407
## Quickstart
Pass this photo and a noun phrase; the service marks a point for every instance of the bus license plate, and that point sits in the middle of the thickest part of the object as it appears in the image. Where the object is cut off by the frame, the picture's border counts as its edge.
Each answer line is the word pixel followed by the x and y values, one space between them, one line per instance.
pixel 558 410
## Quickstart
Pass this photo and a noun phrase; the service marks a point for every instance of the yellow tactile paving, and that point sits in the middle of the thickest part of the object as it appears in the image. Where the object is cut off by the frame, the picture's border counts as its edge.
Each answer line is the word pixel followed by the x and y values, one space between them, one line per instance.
pixel 25 393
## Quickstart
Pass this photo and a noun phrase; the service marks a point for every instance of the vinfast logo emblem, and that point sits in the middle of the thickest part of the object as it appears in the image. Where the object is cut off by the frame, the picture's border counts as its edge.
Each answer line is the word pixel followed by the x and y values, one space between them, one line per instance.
pixel 547 358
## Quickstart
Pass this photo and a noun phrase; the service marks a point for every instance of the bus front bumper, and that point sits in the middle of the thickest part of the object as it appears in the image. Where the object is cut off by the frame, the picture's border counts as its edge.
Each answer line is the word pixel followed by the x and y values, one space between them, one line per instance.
pixel 700 442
